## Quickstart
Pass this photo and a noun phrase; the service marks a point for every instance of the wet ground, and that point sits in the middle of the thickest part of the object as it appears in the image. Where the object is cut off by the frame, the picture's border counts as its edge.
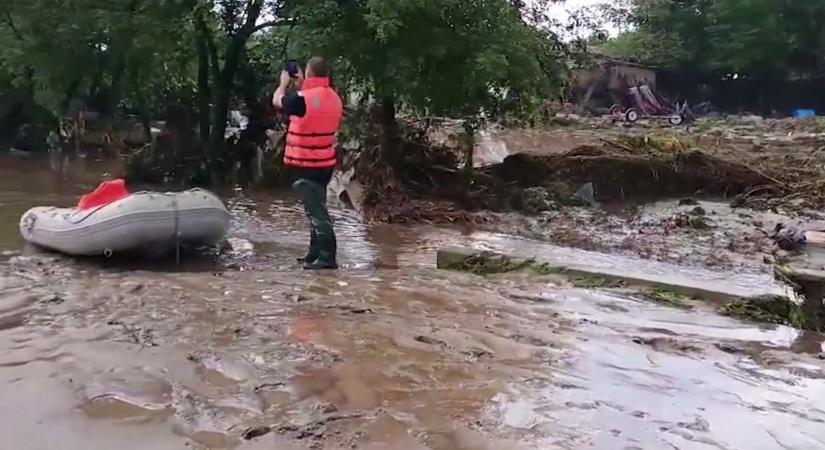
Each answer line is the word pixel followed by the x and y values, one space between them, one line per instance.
pixel 250 352
pixel 682 231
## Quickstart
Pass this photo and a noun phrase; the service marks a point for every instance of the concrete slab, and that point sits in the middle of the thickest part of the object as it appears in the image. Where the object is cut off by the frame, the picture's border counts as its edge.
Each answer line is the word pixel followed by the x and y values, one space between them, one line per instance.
pixel 451 258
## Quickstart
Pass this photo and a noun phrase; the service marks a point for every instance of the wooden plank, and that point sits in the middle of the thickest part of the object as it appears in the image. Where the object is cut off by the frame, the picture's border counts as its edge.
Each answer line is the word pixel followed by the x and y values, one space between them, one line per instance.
pixel 815 238
pixel 798 272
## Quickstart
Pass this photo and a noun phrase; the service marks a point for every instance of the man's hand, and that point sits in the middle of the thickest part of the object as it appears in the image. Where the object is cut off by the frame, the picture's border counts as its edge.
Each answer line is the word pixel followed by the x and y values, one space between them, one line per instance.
pixel 285 79
pixel 278 96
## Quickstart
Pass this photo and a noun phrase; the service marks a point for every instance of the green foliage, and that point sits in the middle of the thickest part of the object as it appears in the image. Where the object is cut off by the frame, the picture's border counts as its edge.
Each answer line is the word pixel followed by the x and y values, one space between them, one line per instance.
pixel 744 37
pixel 594 282
pixel 453 57
pixel 199 58
pixel 90 48
pixel 667 298
pixel 774 310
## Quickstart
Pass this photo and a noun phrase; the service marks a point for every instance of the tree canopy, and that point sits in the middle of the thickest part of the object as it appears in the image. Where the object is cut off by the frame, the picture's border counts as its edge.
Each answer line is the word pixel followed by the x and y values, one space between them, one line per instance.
pixel 742 37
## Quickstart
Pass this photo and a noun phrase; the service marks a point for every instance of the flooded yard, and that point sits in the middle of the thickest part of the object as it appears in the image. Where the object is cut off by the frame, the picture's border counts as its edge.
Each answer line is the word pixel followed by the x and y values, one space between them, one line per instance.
pixel 248 351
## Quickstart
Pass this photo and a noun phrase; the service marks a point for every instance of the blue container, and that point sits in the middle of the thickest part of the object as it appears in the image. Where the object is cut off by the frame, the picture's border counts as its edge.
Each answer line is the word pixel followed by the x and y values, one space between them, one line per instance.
pixel 804 113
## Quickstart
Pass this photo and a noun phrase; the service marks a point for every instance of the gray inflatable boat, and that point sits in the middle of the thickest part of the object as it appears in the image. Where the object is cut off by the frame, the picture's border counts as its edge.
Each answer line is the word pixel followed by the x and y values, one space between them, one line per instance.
pixel 151 222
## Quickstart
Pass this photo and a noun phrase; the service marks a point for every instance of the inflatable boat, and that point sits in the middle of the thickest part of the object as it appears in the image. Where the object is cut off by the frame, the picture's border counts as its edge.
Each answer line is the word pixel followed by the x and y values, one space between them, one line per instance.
pixel 153 223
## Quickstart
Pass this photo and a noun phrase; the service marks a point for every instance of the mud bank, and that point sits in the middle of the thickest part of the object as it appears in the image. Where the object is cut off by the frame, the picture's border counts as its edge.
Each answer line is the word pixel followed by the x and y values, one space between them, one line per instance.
pixel 484 263
pixel 774 304
pixel 687 195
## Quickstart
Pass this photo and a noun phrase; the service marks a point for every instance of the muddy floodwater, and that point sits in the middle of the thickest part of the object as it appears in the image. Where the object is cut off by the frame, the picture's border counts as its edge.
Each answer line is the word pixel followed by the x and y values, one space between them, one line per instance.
pixel 247 351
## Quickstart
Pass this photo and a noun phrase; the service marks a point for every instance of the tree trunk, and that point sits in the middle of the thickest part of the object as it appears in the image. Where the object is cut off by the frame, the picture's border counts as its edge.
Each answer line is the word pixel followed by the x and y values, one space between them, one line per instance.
pixel 204 94
pixel 468 141
pixel 389 140
pixel 122 47
pixel 222 90
pixel 116 87
pixel 222 85
pixel 220 114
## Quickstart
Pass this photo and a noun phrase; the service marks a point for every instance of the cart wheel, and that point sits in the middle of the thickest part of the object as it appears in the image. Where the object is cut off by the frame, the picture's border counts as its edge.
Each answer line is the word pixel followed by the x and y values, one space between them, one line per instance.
pixel 631 115
pixel 677 119
pixel 616 110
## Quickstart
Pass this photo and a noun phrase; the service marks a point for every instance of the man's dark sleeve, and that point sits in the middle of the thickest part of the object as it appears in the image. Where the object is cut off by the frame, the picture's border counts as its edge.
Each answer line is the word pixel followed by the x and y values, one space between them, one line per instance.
pixel 294 105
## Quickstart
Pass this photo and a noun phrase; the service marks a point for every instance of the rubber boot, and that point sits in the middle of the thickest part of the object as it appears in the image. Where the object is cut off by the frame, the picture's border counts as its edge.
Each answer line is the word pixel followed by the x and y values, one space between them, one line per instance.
pixel 314 196
pixel 312 254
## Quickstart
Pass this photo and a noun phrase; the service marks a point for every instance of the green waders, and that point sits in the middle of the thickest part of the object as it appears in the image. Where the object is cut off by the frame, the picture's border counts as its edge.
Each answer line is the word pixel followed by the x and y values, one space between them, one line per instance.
pixel 322 244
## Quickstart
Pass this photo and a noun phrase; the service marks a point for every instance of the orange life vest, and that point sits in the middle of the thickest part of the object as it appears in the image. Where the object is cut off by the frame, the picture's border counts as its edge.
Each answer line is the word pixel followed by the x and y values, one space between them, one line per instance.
pixel 310 140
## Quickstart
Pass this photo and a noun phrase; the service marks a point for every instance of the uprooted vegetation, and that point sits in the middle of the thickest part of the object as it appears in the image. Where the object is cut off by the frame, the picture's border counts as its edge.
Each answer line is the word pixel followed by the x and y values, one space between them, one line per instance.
pixel 776 310
pixel 429 185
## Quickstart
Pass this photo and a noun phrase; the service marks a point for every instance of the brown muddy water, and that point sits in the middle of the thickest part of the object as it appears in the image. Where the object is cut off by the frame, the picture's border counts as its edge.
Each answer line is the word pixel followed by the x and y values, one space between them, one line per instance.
pixel 250 352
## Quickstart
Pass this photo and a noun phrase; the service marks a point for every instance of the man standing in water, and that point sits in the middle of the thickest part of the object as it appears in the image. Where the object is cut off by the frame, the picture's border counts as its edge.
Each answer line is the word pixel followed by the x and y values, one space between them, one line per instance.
pixel 314 113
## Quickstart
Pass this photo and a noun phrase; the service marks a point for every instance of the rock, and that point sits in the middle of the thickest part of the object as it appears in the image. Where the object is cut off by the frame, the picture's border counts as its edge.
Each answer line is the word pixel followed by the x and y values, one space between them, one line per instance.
pixel 537 199
pixel 729 348
pixel 698 211
pixel 790 237
pixel 52 299
pixel 697 222
pixel 738 201
pixel 688 202
pixel 769 259
pixel 252 433
pixel 752 119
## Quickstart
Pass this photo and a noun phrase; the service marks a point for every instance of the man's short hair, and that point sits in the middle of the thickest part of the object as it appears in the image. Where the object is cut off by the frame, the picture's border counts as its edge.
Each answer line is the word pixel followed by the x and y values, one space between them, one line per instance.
pixel 319 66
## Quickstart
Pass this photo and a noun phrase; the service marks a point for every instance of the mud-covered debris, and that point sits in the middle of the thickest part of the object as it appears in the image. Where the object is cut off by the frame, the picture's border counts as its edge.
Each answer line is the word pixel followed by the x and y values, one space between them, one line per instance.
pixel 789 236
pixel 768 309
pixel 353 310
pixel 51 299
pixel 667 344
pixel 136 334
pixel 131 287
pixel 696 222
pixel 700 425
pixel 597 283
pixel 255 432
pixel 429 341
pixel 267 386
pixel 698 211
pixel 739 201
pixel 536 200
pixel 667 298
pixel 316 429
pixel 477 353
pixel 728 348
pixel 586 196
pixel 486 263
